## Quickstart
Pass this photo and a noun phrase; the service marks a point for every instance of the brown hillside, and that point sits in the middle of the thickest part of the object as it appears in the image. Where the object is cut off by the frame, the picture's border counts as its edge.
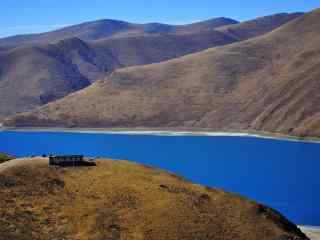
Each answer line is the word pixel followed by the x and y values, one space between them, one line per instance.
pixel 143 50
pixel 268 83
pixel 258 26
pixel 123 200
pixel 32 76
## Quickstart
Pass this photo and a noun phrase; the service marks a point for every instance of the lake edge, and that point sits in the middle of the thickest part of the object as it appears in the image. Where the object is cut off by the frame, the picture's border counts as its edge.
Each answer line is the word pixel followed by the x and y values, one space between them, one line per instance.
pixel 166 132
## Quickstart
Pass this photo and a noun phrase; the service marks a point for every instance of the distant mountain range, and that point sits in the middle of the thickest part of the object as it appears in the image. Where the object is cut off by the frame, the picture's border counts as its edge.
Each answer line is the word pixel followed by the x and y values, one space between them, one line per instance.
pixel 256 75
pixel 40 68
pixel 108 28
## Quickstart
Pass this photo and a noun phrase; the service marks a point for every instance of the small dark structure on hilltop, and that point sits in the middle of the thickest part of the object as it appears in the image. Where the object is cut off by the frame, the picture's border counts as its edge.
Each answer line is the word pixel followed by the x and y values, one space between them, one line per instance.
pixel 69 161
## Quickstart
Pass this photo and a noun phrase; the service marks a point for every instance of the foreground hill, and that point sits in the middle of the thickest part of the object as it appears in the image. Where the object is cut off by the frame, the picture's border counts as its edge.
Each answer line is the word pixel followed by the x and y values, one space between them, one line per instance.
pixel 123 200
pixel 268 83
pixel 31 76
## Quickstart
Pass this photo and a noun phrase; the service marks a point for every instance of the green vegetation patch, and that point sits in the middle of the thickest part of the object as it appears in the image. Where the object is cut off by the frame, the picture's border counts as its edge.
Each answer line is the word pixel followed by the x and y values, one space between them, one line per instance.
pixel 5 157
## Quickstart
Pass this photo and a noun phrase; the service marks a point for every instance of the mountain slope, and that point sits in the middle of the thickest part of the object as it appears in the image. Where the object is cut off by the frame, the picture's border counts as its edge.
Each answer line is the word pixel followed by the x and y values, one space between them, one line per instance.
pixel 142 50
pixel 105 201
pixel 268 83
pixel 33 76
pixel 46 72
pixel 111 28
pixel 258 26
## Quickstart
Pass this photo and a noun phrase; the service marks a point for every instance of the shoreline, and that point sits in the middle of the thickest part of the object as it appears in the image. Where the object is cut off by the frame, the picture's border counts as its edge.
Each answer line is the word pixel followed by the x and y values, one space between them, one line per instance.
pixel 167 132
pixel 313 232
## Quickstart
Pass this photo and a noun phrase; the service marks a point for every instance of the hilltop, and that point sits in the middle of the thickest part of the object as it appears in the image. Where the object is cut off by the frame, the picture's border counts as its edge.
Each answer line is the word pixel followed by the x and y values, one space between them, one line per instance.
pixel 124 200
pixel 38 69
pixel 268 83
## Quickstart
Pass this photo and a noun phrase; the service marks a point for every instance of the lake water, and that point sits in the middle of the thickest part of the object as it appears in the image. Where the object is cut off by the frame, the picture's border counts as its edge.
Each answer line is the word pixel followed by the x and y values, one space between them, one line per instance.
pixel 282 174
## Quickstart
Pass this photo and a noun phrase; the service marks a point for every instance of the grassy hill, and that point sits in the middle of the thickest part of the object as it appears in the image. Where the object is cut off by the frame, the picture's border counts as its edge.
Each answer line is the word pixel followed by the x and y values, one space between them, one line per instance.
pixel 124 200
pixel 268 83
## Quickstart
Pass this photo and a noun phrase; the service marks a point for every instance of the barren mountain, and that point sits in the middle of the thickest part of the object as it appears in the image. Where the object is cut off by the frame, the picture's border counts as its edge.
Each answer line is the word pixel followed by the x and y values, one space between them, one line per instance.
pixel 108 28
pixel 269 83
pixel 31 76
pixel 124 200
pixel 141 50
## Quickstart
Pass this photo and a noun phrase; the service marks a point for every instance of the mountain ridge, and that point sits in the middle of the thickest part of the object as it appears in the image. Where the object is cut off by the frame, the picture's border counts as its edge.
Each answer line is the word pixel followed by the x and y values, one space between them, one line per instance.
pixel 105 28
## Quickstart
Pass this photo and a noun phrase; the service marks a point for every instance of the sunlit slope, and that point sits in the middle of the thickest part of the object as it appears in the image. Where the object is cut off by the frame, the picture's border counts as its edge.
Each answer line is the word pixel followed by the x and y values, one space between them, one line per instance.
pixel 41 68
pixel 269 83
pixel 123 200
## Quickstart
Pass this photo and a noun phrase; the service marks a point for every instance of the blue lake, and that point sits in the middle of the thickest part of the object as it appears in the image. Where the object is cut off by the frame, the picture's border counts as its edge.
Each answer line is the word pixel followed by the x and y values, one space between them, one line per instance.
pixel 282 174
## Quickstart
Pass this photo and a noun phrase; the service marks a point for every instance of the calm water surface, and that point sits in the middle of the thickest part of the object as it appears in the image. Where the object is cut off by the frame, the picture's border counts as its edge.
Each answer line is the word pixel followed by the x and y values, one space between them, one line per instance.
pixel 282 174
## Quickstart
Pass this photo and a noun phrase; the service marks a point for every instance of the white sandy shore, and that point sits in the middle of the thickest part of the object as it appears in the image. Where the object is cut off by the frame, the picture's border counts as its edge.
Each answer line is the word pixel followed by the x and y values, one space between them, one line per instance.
pixel 312 232
pixel 165 133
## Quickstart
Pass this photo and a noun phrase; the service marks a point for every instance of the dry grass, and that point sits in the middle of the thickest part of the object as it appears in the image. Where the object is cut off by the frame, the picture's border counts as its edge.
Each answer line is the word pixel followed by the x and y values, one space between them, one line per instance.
pixel 124 200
